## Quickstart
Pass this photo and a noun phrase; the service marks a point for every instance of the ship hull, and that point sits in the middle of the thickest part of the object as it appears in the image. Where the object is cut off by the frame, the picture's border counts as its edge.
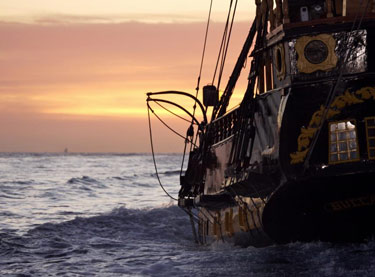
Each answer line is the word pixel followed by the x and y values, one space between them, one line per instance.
pixel 335 209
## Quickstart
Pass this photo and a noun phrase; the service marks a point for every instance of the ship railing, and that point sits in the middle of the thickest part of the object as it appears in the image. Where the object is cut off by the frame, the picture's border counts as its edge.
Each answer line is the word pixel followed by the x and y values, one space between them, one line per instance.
pixel 223 127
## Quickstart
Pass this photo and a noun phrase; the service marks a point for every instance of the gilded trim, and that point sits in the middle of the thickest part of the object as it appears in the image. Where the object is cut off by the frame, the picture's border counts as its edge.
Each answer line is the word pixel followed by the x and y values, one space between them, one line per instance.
pixel 304 66
pixel 279 64
pixel 338 104
pixel 217 225
pixel 229 222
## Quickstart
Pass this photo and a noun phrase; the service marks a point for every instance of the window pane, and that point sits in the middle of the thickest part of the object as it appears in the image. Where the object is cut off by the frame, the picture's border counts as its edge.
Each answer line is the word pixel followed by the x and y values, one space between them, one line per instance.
pixel 352 145
pixel 370 125
pixel 342 136
pixel 343 156
pixel 343 146
pixel 352 134
pixel 341 126
pixel 371 132
pixel 353 155
pixel 333 147
pixel 370 122
pixel 333 127
pixel 333 158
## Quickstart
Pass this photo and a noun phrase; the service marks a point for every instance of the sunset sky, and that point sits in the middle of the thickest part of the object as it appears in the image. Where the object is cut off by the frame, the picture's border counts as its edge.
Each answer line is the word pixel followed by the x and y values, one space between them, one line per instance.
pixel 74 74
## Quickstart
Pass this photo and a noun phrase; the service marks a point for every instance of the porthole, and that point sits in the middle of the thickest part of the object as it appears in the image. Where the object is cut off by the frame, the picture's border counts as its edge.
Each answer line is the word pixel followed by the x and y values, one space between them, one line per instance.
pixel 279 60
pixel 316 51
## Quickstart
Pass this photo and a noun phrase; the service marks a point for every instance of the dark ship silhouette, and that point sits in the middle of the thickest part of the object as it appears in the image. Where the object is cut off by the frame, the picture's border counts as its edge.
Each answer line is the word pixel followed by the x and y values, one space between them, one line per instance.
pixel 296 160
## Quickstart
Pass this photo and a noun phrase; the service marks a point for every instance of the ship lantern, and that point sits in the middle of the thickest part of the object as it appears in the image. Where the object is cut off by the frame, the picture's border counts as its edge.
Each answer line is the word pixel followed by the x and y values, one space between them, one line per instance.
pixel 210 96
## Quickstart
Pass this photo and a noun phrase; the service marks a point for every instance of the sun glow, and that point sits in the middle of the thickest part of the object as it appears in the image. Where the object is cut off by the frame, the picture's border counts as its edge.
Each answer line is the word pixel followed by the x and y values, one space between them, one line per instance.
pixel 83 68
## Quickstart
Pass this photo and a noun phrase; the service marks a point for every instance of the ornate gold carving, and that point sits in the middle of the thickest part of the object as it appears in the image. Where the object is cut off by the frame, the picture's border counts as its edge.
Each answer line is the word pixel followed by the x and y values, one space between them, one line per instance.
pixel 279 57
pixel 338 104
pixel 304 138
pixel 347 99
pixel 348 204
pixel 366 93
pixel 298 157
pixel 329 63
pixel 228 220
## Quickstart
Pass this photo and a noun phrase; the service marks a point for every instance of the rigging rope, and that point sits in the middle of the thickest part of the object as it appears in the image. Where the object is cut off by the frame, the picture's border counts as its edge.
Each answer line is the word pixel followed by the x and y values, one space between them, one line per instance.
pixel 197 89
pixel 198 83
pixel 165 124
pixel 184 119
pixel 223 40
pixel 153 156
pixel 226 47
pixel 221 108
pixel 189 212
pixel 204 48
pixel 193 217
pixel 247 106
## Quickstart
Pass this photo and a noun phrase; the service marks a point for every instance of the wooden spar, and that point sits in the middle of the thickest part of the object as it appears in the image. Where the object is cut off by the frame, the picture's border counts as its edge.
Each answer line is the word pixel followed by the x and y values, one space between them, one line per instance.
pixel 286 11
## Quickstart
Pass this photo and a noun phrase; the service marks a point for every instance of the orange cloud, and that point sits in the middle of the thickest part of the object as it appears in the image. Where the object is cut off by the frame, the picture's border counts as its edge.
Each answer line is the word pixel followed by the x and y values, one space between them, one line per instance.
pixel 58 74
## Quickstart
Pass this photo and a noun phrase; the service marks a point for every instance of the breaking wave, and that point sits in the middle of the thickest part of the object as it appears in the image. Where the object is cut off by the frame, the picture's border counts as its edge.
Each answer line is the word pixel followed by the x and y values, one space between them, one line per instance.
pixel 129 234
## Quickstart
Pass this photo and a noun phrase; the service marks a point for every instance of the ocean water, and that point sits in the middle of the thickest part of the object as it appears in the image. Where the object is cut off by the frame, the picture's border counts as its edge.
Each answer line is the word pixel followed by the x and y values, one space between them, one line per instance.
pixel 105 215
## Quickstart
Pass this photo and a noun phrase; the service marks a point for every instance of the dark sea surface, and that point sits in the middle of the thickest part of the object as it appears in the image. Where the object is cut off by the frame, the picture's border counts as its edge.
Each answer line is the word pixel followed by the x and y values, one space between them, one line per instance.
pixel 105 215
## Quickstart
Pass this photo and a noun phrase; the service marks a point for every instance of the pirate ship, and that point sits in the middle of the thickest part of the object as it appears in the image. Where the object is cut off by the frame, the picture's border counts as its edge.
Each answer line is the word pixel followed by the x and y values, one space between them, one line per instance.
pixel 295 161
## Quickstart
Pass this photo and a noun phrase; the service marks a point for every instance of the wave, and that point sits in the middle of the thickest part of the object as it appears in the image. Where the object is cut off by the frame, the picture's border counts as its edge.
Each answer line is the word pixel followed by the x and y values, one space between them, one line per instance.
pixel 125 178
pixel 147 224
pixel 131 225
pixel 86 183
pixel 5 183
pixel 11 196
pixel 29 182
pixel 9 214
pixel 83 179
pixel 172 172
pixel 158 242
pixel 129 233
pixel 167 173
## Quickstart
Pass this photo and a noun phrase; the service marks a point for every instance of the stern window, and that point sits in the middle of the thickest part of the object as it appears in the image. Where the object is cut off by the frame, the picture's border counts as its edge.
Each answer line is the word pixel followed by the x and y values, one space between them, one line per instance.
pixel 370 133
pixel 343 143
